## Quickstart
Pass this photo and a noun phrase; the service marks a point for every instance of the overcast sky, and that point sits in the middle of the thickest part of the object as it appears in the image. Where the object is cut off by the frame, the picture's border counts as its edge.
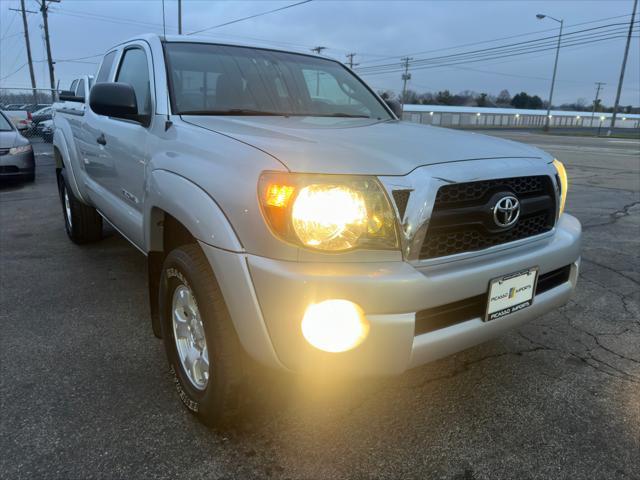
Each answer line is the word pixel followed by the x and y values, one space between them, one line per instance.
pixel 374 30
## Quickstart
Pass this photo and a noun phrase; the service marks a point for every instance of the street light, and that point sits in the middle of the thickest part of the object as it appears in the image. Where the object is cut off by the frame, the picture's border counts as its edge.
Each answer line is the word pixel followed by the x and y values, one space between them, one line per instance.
pixel 541 16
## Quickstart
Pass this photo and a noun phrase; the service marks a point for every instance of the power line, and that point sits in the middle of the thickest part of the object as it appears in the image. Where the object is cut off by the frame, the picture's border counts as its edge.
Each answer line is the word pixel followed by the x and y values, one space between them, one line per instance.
pixel 505 52
pixel 15 71
pixel 105 18
pixel 426 67
pixel 512 47
pixel 9 27
pixel 518 45
pixel 250 17
pixel 511 60
pixel 496 39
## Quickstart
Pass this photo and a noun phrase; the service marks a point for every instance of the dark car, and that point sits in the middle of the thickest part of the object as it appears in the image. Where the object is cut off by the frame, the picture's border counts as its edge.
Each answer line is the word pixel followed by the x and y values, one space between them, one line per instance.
pixel 16 154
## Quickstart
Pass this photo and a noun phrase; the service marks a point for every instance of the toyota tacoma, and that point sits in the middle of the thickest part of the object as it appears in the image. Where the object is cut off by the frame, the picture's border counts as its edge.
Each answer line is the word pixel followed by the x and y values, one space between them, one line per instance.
pixel 287 214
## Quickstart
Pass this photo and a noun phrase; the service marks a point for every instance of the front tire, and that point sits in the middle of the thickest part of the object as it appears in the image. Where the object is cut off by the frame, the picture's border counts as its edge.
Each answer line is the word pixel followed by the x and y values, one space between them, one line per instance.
pixel 204 353
pixel 82 222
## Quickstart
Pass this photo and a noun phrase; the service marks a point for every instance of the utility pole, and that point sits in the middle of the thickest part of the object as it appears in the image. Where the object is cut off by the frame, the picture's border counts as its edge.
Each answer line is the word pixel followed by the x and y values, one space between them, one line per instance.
pixel 44 8
pixel 350 62
pixel 595 101
pixel 624 65
pixel 318 50
pixel 179 17
pixel 28 43
pixel 541 16
pixel 406 76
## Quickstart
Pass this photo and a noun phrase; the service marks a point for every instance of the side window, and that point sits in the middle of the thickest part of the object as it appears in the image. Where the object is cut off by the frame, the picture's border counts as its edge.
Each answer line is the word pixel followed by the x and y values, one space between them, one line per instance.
pixel 105 68
pixel 80 89
pixel 134 70
pixel 74 85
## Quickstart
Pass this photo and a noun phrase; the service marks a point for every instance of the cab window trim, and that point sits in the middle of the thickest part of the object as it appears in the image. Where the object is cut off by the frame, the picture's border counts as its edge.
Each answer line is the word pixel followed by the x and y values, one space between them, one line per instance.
pixel 116 72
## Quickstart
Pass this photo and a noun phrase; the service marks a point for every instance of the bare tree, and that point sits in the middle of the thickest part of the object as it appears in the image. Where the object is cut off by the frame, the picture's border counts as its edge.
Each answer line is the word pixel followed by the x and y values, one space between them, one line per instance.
pixel 503 98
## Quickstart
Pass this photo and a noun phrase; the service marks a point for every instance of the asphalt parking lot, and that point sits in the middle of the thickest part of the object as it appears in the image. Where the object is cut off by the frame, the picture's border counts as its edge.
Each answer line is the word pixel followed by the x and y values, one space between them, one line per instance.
pixel 85 391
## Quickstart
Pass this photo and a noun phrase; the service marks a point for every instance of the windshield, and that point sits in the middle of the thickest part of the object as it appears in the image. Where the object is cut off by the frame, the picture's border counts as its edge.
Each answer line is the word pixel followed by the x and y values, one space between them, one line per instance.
pixel 226 80
pixel 5 126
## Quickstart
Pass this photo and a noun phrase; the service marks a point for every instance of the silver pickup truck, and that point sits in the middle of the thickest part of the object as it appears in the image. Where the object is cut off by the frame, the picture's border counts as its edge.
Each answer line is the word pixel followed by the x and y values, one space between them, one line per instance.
pixel 289 217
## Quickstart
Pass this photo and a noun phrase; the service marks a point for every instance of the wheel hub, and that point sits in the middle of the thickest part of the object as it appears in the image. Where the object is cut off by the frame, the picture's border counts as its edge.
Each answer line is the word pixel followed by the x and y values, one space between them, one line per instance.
pixel 188 332
pixel 67 208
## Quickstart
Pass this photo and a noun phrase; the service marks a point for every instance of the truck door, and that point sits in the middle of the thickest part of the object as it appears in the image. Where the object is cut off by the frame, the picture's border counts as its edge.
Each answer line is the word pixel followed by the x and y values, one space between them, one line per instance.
pixel 120 153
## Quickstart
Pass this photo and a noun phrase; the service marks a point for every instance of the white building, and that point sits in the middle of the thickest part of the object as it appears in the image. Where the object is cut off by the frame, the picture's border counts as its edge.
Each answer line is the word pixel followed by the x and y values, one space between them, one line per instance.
pixel 482 117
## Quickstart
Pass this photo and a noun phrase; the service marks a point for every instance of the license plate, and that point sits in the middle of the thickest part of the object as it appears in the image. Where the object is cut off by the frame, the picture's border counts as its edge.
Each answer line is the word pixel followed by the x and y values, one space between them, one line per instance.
pixel 511 293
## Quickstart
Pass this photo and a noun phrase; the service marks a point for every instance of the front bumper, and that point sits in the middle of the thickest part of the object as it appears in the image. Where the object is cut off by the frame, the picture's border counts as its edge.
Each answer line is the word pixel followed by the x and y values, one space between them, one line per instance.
pixel 390 294
pixel 17 165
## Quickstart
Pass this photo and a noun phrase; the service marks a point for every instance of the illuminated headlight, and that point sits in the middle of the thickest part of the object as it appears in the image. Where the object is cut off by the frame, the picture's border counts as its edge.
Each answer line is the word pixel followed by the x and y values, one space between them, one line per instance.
pixel 328 212
pixel 334 325
pixel 20 149
pixel 564 183
pixel 331 217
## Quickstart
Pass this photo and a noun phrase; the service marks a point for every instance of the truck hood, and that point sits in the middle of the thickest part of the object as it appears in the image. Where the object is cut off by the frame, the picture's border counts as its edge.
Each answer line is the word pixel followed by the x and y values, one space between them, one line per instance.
pixel 360 146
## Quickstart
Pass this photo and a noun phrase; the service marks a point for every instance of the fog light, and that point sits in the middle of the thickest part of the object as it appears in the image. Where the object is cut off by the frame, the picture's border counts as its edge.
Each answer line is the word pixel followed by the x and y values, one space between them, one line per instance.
pixel 334 325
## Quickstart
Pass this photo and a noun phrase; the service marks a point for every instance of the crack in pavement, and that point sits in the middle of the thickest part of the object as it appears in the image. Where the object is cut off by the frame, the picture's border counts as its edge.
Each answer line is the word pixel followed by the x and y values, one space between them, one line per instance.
pixel 614 216
pixel 465 367
pixel 623 298
pixel 611 269
pixel 595 339
pixel 624 375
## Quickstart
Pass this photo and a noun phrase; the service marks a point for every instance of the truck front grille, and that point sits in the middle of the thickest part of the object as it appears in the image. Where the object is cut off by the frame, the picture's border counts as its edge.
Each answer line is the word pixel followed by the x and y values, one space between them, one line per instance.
pixel 462 218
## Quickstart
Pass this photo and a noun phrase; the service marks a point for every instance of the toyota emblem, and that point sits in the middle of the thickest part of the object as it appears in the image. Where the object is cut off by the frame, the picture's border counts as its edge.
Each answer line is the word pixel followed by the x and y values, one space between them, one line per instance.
pixel 507 211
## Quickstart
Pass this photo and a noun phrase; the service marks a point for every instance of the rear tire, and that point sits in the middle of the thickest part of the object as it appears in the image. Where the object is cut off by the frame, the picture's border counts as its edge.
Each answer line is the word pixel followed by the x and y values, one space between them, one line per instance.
pixel 211 390
pixel 82 222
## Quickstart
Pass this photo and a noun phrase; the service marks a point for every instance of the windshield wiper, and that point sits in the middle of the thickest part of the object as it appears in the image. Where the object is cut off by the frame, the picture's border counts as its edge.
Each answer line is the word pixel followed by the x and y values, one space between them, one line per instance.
pixel 234 111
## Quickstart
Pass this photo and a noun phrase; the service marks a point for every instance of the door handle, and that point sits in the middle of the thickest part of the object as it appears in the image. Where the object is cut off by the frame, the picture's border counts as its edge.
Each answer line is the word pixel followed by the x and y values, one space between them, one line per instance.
pixel 101 140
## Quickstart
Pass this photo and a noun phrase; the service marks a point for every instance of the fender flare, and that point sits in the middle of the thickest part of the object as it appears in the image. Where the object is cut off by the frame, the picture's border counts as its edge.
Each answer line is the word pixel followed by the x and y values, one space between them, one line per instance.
pixel 190 205
pixel 60 144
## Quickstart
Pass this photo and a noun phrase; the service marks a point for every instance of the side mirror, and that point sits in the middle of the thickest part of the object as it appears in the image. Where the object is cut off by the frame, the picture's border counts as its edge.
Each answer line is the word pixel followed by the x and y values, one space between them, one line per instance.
pixel 116 100
pixel 395 107
pixel 69 96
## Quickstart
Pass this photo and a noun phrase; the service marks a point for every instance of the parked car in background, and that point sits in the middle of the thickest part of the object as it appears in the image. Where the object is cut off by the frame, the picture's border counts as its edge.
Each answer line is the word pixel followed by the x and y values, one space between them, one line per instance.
pixel 42 114
pixel 16 154
pixel 286 213
pixel 37 119
pixel 34 107
pixel 14 106
pixel 74 98
pixel 45 130
pixel 20 118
